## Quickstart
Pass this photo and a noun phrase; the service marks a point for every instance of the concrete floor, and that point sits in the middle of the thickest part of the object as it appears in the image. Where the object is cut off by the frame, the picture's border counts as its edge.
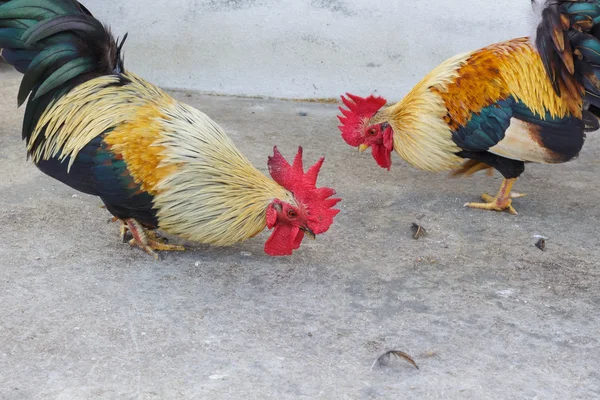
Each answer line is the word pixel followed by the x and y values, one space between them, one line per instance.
pixel 485 314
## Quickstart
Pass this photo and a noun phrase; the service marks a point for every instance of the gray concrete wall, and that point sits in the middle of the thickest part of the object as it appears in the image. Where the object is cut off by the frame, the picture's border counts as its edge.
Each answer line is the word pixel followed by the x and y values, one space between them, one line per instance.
pixel 303 48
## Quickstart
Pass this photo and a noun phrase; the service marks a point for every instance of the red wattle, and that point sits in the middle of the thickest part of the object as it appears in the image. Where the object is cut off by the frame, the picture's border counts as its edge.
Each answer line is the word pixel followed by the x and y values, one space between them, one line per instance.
pixel 382 155
pixel 284 240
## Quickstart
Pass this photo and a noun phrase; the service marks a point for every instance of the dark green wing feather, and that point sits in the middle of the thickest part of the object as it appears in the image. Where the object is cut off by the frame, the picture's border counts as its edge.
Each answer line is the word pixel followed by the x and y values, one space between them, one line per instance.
pixel 486 128
pixel 563 136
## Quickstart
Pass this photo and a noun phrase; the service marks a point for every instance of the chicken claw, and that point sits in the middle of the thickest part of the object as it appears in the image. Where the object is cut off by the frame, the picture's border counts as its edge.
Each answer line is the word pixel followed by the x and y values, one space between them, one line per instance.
pixel 146 240
pixel 502 201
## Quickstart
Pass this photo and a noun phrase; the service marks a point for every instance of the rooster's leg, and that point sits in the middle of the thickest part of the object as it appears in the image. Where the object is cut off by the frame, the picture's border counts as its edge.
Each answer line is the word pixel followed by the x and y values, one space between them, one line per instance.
pixel 125 228
pixel 502 201
pixel 122 229
pixel 146 240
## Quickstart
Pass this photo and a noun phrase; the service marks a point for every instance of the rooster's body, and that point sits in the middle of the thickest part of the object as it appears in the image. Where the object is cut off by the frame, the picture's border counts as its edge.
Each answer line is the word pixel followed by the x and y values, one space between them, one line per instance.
pixel 155 162
pixel 501 106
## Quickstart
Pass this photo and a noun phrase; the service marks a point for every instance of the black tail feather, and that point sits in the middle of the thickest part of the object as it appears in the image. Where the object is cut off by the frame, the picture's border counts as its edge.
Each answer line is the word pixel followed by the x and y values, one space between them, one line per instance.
pixel 591 117
pixel 57 45
pixel 568 40
pixel 55 41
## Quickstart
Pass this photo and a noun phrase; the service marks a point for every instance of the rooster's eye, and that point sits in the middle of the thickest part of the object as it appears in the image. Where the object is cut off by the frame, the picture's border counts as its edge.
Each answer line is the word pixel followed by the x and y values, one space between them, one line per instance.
pixel 372 132
pixel 292 214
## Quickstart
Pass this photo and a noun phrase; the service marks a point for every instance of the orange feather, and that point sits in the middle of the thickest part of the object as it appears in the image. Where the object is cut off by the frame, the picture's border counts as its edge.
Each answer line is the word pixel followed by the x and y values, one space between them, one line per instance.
pixel 136 141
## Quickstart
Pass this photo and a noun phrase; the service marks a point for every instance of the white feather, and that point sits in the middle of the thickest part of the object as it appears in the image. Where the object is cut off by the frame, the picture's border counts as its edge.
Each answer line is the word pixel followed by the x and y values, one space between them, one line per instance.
pixel 520 143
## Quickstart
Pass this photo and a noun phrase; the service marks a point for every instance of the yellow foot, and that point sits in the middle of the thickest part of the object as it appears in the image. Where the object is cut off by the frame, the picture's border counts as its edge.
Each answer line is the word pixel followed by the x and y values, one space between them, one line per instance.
pixel 494 204
pixel 146 240
pixel 488 199
pixel 152 246
pixel 502 201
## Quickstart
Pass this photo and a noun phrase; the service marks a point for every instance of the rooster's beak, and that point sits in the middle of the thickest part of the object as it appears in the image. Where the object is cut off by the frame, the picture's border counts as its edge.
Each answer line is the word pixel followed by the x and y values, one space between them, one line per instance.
pixel 363 147
pixel 309 233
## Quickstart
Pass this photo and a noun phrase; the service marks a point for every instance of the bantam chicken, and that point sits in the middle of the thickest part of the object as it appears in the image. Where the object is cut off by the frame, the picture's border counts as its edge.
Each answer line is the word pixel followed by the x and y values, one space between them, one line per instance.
pixel 520 101
pixel 154 162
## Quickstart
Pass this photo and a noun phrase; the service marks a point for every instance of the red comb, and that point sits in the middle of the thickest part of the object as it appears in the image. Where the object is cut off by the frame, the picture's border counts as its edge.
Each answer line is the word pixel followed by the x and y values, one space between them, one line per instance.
pixel 359 108
pixel 303 185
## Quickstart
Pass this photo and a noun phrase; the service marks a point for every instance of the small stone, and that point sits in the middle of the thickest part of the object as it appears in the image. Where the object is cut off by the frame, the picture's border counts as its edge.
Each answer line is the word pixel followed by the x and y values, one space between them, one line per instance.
pixel 541 244
pixel 197 263
pixel 246 254
pixel 302 114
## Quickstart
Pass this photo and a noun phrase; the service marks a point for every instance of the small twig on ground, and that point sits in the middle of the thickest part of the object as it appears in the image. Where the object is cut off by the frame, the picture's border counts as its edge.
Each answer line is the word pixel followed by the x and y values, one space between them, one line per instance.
pixel 400 354
pixel 418 231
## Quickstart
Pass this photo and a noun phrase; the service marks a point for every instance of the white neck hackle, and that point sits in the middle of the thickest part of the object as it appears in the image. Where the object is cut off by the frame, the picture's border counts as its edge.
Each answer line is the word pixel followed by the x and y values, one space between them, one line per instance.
pixel 216 196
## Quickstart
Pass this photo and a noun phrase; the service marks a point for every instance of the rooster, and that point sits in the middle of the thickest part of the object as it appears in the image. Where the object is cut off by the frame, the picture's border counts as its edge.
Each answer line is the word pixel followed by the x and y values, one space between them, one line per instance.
pixel 153 161
pixel 519 101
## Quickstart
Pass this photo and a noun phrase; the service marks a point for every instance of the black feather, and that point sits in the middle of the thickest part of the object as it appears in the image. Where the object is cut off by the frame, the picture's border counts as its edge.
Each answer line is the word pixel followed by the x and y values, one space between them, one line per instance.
pixel 119 66
pixel 18 58
pixel 82 24
pixel 568 41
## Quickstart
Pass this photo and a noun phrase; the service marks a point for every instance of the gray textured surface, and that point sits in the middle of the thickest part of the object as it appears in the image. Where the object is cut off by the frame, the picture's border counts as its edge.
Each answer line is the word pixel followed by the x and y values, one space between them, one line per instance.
pixel 485 313
pixel 303 48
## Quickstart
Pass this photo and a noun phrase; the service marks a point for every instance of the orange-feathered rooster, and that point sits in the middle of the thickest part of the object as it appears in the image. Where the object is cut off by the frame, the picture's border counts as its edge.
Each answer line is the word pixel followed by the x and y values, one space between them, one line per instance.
pixel 523 100
pixel 154 162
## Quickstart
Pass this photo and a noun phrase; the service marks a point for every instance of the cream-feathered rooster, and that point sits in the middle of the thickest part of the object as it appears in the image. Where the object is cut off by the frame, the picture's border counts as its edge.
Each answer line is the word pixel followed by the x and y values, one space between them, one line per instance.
pixel 154 162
